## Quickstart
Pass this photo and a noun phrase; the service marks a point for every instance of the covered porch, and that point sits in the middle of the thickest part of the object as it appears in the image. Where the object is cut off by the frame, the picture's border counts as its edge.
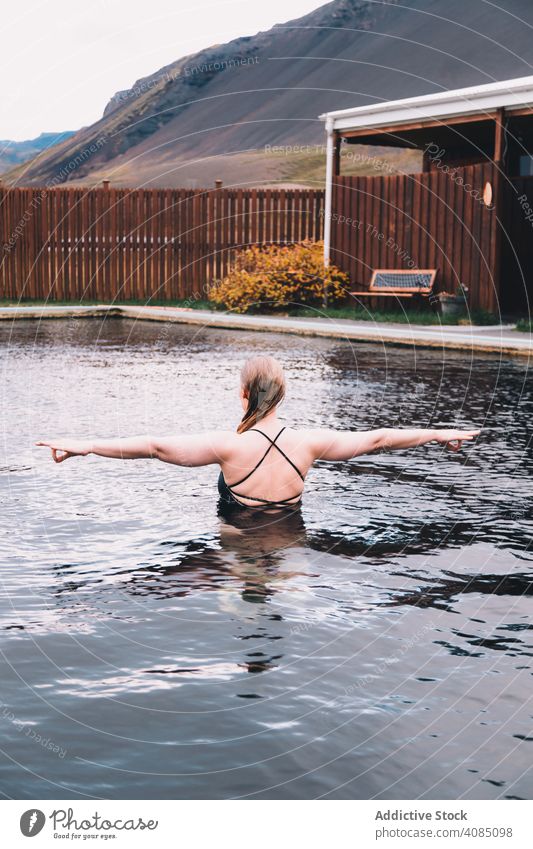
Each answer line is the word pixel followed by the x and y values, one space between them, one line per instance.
pixel 468 212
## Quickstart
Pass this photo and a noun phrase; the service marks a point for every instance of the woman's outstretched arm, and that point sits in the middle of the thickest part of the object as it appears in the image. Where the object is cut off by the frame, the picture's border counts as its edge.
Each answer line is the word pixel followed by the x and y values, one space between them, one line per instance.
pixel 197 450
pixel 339 445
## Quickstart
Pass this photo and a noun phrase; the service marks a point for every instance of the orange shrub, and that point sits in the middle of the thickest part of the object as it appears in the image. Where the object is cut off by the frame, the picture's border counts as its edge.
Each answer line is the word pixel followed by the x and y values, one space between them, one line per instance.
pixel 277 276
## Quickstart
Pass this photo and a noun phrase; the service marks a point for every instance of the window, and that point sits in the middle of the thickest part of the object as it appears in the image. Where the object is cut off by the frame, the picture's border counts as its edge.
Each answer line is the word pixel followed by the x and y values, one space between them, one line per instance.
pixel 526 166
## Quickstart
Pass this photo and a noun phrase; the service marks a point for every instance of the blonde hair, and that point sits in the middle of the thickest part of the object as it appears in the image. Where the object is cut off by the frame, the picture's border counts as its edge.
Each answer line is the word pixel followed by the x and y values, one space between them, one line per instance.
pixel 263 383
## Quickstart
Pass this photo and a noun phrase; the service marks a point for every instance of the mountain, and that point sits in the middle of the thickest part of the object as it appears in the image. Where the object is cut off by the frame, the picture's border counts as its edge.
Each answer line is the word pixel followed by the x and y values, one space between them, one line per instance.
pixel 219 112
pixel 14 152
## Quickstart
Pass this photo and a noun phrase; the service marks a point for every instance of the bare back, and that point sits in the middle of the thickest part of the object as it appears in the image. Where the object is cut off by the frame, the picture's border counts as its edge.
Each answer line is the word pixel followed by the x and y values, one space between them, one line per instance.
pixel 267 464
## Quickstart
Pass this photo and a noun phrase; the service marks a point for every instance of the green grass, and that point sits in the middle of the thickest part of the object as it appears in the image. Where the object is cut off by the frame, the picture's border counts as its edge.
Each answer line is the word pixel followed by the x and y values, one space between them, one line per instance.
pixel 525 325
pixel 191 303
pixel 426 317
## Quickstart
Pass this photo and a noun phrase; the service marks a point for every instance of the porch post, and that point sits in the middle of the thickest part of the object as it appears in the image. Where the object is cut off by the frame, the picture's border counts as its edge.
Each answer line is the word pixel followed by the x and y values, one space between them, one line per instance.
pixel 337 155
pixel 498 189
pixel 329 188
pixel 499 137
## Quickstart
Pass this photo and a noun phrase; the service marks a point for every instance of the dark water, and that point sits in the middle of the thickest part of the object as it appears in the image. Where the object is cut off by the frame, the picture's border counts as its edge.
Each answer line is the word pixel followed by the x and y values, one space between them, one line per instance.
pixel 380 647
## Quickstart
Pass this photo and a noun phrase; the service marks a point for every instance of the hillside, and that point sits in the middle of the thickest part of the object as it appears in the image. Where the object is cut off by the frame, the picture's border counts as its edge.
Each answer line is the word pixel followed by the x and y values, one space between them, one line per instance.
pixel 219 112
pixel 13 153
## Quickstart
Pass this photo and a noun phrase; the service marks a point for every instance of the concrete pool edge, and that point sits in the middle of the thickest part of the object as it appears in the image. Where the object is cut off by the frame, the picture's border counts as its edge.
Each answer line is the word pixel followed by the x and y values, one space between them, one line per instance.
pixel 498 339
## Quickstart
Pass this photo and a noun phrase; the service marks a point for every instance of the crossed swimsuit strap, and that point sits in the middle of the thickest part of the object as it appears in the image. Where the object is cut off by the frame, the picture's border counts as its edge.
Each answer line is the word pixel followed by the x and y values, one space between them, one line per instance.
pixel 264 501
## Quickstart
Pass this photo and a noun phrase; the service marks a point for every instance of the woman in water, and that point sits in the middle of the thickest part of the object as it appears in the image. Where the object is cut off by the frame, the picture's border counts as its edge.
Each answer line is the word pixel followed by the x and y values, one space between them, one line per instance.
pixel 262 467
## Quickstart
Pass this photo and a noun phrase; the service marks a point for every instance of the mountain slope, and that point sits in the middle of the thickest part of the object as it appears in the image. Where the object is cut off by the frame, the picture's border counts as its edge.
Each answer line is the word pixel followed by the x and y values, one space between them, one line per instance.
pixel 215 113
pixel 14 152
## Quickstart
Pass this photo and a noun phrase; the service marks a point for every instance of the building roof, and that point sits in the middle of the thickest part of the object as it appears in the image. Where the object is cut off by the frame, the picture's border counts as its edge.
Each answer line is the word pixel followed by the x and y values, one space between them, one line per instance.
pixel 481 99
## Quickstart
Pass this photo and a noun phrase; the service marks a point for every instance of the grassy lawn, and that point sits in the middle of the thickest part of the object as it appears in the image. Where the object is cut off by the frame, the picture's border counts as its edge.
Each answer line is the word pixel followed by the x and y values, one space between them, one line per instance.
pixel 191 303
pixel 424 317
pixel 427 317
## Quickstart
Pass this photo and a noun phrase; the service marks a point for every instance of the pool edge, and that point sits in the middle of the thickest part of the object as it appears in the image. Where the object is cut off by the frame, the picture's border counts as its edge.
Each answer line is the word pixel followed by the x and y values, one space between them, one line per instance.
pixel 376 333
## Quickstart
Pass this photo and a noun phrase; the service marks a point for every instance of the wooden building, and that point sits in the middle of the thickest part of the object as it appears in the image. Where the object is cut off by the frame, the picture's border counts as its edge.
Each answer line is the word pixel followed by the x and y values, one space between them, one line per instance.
pixel 467 213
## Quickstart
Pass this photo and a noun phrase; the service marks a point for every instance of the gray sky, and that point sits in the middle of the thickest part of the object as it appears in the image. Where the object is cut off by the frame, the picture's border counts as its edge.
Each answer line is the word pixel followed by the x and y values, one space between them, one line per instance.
pixel 62 60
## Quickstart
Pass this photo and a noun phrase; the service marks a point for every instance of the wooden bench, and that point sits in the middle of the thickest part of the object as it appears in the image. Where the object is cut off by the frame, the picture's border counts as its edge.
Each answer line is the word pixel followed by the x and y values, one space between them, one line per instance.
pixel 395 283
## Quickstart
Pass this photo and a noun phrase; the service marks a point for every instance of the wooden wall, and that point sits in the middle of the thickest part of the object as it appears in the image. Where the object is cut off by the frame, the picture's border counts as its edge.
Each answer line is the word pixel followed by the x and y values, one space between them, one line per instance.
pixel 116 244
pixel 516 285
pixel 426 220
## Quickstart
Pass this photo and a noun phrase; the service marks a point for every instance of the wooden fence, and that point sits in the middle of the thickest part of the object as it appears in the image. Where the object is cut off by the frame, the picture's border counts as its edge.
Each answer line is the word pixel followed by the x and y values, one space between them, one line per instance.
pixel 161 244
pixel 430 220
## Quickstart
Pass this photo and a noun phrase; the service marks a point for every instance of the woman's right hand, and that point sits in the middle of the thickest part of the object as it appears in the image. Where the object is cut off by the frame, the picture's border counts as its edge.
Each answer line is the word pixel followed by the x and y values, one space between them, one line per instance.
pixel 62 449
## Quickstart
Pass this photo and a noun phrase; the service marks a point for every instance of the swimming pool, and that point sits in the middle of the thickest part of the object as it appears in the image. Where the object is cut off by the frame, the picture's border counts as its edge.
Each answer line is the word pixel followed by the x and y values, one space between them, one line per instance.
pixel 380 647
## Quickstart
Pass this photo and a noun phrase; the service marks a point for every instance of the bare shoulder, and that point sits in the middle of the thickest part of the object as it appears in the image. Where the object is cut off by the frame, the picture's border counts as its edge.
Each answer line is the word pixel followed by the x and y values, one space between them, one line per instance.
pixel 316 438
pixel 226 435
pixel 312 440
pixel 215 437
pixel 226 441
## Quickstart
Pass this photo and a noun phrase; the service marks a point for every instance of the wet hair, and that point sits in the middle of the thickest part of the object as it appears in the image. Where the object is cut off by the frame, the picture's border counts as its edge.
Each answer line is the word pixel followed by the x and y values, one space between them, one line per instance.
pixel 263 383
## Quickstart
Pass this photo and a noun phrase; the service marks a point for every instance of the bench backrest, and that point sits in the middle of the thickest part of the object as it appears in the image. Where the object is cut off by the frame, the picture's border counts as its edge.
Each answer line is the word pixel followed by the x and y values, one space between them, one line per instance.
pixel 419 280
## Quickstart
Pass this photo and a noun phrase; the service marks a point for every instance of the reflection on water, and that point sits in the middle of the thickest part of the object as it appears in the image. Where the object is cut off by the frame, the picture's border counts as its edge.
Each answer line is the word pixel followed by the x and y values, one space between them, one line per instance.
pixel 376 643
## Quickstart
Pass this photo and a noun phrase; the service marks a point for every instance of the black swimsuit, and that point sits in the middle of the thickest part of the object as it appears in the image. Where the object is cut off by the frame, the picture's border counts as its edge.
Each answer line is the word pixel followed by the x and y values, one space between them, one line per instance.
pixel 228 494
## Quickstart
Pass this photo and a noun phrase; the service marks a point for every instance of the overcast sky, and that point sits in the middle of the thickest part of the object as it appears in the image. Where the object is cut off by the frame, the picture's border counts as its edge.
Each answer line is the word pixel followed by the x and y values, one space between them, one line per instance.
pixel 62 60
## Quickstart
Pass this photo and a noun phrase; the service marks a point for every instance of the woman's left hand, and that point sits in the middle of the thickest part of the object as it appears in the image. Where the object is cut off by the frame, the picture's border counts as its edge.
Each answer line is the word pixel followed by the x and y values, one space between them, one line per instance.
pixel 62 449
pixel 453 439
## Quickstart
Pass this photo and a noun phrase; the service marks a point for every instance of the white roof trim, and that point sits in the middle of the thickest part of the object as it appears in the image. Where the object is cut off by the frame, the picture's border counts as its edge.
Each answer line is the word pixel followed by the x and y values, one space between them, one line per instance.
pixel 507 94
